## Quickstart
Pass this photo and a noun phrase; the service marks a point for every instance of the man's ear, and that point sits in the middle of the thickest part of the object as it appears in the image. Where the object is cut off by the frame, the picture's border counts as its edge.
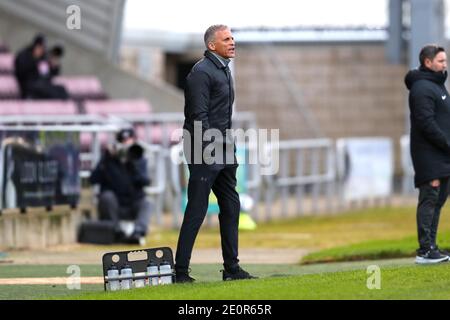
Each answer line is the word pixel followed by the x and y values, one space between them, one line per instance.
pixel 212 46
pixel 428 63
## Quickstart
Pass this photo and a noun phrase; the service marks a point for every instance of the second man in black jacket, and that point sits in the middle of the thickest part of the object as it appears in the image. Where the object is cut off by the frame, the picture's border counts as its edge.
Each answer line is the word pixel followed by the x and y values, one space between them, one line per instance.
pixel 429 102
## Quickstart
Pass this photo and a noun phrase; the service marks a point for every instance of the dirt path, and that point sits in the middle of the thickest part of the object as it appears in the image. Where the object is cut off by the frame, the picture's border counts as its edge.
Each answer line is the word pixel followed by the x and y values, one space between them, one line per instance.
pixel 79 255
pixel 49 281
pixel 69 256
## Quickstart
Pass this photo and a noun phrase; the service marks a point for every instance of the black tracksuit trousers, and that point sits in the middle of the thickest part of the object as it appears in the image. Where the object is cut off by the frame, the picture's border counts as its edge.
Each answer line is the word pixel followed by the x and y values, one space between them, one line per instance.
pixel 221 179
pixel 431 200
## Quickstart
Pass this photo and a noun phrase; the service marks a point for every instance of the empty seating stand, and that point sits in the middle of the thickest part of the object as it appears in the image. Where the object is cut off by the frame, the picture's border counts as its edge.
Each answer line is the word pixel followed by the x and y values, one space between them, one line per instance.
pixel 118 107
pixel 82 87
pixel 37 108
pixel 3 48
pixel 149 128
pixel 9 88
pixel 6 63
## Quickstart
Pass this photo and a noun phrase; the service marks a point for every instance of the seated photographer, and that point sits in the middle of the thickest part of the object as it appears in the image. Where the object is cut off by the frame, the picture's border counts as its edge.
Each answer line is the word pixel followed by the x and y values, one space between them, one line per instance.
pixel 122 175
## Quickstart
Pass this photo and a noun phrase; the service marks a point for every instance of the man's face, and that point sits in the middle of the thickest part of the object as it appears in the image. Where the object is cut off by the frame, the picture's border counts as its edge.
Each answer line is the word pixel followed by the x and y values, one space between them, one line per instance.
pixel 223 45
pixel 38 51
pixel 438 64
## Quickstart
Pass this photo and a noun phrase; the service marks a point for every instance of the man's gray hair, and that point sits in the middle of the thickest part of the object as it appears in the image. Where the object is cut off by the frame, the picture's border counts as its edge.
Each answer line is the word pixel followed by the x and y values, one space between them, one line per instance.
pixel 210 34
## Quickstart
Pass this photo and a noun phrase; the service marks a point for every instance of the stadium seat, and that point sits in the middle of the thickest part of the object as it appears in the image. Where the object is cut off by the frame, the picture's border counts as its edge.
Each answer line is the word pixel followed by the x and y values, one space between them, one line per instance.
pixel 117 107
pixel 157 133
pixel 6 63
pixel 82 87
pixel 112 108
pixel 128 109
pixel 9 88
pixel 3 48
pixel 30 108
pixel 132 108
pixel 39 111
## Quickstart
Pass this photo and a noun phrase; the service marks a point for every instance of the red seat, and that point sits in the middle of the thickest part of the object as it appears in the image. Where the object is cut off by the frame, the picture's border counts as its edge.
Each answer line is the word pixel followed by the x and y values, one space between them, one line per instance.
pixel 9 88
pixel 158 135
pixel 82 87
pixel 3 48
pixel 12 107
pixel 6 63
pixel 112 108
pixel 125 108
pixel 117 107
pixel 86 139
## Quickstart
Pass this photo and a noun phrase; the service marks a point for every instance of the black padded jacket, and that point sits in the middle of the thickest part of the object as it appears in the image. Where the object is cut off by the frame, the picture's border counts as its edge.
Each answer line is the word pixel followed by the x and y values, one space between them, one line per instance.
pixel 209 95
pixel 429 103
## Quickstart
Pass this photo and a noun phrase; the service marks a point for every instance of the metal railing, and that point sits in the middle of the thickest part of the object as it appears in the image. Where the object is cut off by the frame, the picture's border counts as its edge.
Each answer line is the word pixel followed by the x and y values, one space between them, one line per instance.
pixel 97 126
pixel 306 180
pixel 157 171
pixel 305 166
pixel 407 167
pixel 77 128
pixel 312 172
pixel 178 180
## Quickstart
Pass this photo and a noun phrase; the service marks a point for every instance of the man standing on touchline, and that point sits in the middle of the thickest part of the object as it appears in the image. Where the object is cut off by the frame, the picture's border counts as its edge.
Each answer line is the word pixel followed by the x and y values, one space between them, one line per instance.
pixel 209 98
pixel 429 103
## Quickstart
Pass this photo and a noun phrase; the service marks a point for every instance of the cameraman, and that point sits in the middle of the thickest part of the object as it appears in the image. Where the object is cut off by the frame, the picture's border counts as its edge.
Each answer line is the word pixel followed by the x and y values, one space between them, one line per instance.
pixel 122 175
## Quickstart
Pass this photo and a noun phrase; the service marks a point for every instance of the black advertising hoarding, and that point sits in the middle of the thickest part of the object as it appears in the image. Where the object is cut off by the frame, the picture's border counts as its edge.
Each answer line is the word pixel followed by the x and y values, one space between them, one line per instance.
pixel 39 169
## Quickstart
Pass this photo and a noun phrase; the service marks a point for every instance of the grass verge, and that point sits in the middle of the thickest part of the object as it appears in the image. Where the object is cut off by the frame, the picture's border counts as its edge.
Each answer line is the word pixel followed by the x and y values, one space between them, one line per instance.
pixel 372 250
pixel 317 232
